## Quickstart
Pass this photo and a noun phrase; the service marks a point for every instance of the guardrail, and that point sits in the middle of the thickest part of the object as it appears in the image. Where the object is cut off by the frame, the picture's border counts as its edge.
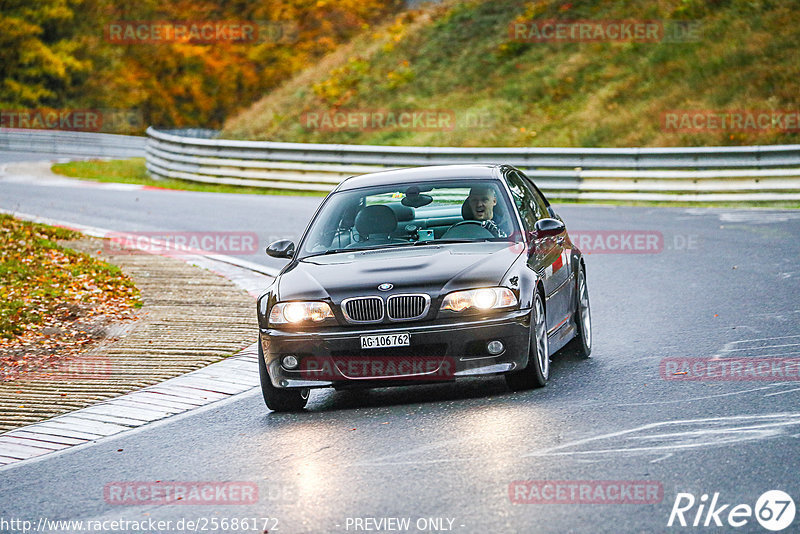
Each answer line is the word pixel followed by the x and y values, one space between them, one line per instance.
pixel 697 174
pixel 750 173
pixel 72 144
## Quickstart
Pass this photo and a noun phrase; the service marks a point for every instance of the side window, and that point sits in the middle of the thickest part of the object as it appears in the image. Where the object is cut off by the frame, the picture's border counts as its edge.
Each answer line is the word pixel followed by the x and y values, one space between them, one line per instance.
pixel 538 198
pixel 522 199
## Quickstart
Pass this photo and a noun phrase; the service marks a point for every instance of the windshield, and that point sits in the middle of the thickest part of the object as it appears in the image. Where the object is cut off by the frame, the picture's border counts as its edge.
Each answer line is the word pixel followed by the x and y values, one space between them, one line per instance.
pixel 412 214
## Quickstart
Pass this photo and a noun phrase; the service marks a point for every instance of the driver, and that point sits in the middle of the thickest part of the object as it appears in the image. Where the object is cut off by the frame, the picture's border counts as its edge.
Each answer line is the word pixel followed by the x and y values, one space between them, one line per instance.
pixel 481 200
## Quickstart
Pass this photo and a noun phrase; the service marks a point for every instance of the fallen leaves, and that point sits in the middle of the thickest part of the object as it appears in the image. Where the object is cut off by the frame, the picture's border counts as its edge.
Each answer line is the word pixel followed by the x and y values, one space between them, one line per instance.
pixel 54 302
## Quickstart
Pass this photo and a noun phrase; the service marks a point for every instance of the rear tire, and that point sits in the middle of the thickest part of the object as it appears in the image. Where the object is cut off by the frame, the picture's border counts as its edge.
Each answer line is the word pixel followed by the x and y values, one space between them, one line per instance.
pixel 583 318
pixel 536 373
pixel 279 400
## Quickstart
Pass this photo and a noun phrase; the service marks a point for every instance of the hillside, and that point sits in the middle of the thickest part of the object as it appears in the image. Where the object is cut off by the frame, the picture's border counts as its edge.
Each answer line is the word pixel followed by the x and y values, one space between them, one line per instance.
pixel 185 63
pixel 485 87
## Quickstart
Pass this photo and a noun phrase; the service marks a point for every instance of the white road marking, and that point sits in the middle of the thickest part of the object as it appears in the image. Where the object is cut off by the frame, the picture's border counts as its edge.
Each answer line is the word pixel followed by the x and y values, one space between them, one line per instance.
pixel 763 427
pixel 676 401
pixel 753 345
pixel 753 215
pixel 707 436
pixel 779 354
pixel 781 392
pixel 767 347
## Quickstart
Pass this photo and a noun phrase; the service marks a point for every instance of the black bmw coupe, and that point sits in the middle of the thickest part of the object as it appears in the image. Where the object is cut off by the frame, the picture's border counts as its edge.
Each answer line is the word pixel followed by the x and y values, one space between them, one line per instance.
pixel 423 275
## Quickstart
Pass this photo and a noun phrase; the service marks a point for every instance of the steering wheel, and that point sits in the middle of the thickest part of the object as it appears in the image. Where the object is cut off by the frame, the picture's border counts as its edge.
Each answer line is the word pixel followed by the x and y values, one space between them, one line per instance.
pixel 463 224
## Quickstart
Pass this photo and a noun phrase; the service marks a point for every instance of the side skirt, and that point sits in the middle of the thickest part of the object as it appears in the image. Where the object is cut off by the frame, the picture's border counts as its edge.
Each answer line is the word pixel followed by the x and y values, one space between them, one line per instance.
pixel 561 336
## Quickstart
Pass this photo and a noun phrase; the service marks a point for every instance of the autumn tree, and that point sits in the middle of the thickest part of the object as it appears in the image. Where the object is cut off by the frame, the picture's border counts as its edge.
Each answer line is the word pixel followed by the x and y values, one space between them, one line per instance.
pixel 40 63
pixel 57 53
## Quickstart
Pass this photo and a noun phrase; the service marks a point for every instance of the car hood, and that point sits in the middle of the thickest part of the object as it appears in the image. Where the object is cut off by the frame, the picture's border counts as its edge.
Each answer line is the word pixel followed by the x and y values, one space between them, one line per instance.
pixel 434 269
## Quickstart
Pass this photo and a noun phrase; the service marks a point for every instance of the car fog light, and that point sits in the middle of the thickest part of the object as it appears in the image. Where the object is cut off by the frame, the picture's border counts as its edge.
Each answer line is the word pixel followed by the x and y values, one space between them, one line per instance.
pixel 290 362
pixel 495 347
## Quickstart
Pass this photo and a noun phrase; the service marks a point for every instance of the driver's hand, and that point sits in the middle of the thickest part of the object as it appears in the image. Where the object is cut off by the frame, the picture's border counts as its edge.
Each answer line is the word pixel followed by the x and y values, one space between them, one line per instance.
pixel 493 228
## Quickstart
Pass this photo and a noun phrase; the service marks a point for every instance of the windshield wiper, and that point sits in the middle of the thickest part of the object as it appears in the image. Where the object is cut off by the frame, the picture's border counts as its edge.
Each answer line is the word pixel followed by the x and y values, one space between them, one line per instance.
pixel 397 245
pixel 359 249
pixel 453 240
pixel 331 251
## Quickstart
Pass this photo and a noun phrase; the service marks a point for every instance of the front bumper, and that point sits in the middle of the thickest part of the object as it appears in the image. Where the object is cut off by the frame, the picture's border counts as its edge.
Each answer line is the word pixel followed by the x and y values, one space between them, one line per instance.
pixel 438 352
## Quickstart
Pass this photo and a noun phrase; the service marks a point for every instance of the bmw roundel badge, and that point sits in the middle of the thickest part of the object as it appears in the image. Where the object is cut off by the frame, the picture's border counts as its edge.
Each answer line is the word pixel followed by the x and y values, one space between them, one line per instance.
pixel 385 287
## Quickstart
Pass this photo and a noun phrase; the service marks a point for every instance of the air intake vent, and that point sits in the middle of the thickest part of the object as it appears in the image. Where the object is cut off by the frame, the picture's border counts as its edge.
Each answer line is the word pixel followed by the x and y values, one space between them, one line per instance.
pixel 407 307
pixel 363 309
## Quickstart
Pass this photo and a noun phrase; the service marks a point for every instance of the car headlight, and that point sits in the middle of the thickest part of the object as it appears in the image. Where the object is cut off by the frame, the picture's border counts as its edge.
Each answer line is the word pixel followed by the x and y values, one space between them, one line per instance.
pixel 299 312
pixel 485 298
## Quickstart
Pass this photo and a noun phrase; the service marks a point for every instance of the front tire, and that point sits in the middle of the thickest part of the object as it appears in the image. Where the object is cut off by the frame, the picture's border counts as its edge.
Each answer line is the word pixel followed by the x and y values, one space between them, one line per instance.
pixel 279 400
pixel 536 373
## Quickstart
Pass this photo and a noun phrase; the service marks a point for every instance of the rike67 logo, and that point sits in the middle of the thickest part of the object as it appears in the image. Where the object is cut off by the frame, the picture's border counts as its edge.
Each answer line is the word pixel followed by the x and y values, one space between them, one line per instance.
pixel 774 511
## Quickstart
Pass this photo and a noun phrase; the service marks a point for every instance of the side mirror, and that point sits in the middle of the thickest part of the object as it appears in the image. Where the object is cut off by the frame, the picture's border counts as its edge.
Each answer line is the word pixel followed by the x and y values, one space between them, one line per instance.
pixel 281 249
pixel 548 228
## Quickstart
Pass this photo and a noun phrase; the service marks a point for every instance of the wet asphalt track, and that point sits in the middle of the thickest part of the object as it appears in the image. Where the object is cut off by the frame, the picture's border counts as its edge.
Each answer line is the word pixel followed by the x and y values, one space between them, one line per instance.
pixel 725 283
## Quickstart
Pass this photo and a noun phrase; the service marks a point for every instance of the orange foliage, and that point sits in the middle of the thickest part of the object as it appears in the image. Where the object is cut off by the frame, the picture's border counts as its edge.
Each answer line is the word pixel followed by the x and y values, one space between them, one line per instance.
pixel 177 82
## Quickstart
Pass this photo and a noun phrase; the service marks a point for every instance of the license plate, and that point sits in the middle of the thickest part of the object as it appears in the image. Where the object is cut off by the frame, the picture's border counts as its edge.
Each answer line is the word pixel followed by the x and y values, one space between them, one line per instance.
pixel 385 340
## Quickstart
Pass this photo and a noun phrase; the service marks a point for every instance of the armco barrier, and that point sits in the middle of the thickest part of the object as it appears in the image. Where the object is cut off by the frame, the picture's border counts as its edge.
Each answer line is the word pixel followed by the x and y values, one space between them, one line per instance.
pixel 750 173
pixel 696 174
pixel 72 144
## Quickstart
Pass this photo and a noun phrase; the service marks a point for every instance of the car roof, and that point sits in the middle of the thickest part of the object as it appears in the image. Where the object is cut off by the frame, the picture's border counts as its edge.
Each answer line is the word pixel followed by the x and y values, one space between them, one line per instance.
pixel 420 174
